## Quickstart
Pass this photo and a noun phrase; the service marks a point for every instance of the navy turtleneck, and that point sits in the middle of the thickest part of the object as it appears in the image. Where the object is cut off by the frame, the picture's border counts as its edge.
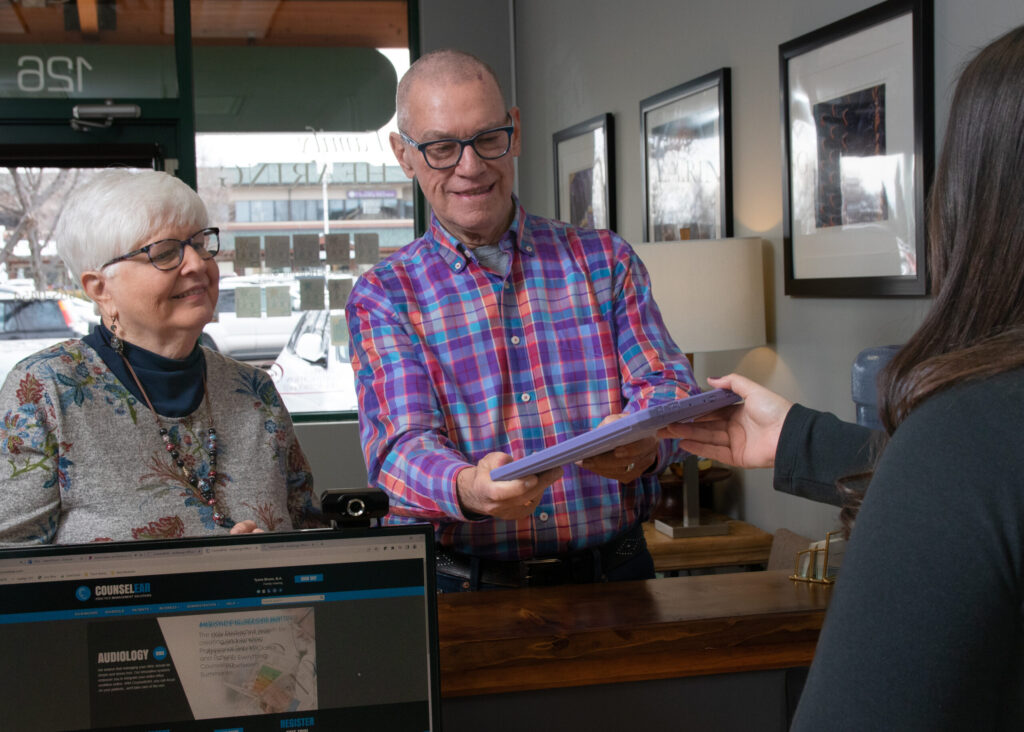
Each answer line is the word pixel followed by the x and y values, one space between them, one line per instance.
pixel 175 386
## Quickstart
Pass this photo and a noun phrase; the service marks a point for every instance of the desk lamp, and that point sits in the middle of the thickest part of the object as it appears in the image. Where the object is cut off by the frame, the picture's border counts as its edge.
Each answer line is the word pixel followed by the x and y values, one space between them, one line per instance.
pixel 711 296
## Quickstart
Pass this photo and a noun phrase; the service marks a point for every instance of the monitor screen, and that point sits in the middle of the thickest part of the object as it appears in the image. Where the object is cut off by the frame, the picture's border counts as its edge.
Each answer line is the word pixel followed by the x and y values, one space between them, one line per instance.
pixel 315 630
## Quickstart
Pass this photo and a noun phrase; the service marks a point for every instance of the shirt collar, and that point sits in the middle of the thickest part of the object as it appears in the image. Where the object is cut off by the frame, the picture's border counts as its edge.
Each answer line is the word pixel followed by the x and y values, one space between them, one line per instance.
pixel 456 255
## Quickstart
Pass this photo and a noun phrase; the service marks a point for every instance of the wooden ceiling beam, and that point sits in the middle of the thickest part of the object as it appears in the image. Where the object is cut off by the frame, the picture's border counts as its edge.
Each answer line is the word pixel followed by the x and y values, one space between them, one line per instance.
pixel 88 17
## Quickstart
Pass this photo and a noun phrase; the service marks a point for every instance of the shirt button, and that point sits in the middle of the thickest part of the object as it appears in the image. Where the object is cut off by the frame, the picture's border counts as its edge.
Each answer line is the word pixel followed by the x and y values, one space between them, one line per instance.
pixel 543 516
pixel 458 265
pixel 515 340
pixel 524 398
pixel 529 249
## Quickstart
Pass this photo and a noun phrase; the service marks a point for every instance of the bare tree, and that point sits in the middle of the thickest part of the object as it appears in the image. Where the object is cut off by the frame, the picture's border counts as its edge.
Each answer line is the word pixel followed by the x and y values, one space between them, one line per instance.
pixel 31 199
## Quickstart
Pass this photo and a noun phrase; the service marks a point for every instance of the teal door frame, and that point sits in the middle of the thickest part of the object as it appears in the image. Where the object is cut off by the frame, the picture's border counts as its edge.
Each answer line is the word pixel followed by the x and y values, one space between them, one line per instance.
pixel 168 125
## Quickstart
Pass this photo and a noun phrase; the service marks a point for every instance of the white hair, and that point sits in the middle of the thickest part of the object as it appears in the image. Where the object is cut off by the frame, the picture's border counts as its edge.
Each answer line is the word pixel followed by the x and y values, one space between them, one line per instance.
pixel 119 210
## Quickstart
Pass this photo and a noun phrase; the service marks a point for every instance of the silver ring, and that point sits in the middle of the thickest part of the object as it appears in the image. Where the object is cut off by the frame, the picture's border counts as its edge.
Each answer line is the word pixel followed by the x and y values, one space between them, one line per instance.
pixel 630 467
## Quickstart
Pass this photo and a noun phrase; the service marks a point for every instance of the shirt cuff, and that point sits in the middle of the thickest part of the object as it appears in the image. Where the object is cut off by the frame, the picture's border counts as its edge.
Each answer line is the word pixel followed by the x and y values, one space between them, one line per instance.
pixel 794 426
pixel 459 512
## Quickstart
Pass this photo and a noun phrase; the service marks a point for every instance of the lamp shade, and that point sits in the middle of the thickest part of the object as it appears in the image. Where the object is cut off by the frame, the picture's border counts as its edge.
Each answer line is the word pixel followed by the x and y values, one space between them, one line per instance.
pixel 710 291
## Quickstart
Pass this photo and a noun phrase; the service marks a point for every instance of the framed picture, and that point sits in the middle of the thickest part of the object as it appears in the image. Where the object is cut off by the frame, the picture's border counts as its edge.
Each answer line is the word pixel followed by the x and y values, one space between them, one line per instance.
pixel 585 174
pixel 687 168
pixel 857 153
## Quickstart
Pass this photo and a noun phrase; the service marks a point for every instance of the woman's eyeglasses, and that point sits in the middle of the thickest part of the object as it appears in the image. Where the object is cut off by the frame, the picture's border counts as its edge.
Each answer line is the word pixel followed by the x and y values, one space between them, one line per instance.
pixel 168 253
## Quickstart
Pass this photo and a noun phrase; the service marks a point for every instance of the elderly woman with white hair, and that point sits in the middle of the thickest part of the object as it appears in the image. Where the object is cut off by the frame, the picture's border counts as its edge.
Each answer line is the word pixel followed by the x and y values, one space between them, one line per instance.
pixel 136 431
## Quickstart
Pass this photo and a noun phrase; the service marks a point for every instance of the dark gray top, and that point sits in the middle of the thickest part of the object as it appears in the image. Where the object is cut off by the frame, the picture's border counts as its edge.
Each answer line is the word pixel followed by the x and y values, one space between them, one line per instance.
pixel 923 631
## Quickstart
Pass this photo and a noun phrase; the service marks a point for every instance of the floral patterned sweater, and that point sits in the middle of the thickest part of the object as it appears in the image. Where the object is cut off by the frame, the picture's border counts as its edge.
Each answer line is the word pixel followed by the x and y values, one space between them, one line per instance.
pixel 82 460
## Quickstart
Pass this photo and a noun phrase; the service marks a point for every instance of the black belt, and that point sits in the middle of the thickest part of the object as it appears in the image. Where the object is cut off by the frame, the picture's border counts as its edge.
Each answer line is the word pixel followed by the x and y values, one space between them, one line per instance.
pixel 583 565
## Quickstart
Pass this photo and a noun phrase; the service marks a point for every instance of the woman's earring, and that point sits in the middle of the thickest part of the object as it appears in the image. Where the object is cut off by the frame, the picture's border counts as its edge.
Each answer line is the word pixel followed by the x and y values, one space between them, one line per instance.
pixel 116 343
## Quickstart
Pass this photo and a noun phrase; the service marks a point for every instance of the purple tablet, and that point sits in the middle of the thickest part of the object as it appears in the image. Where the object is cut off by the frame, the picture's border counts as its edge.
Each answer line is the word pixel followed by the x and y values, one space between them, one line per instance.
pixel 630 428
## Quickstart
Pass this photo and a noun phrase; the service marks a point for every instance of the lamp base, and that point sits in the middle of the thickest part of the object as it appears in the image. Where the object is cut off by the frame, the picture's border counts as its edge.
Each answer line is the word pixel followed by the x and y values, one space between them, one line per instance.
pixel 677 528
pixel 681 518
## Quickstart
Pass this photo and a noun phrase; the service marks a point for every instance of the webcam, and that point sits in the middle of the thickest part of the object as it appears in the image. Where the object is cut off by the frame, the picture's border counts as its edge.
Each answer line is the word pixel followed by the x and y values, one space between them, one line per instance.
pixel 354 507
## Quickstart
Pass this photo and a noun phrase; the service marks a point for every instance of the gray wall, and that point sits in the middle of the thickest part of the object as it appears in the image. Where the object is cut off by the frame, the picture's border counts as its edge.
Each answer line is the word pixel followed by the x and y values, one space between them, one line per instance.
pixel 481 28
pixel 332 449
pixel 580 58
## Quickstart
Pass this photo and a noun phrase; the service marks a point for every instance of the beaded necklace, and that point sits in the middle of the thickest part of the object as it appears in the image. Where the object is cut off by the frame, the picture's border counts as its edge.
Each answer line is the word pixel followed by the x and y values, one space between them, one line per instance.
pixel 203 485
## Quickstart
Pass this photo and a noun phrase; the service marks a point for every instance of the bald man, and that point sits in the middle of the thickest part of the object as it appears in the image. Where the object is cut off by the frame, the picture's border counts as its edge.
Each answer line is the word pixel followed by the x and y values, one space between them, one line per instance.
pixel 494 335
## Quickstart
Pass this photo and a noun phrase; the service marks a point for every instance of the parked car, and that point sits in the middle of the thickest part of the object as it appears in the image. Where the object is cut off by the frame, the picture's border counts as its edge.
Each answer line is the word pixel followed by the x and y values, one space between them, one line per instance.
pixel 312 373
pixel 250 339
pixel 82 312
pixel 31 321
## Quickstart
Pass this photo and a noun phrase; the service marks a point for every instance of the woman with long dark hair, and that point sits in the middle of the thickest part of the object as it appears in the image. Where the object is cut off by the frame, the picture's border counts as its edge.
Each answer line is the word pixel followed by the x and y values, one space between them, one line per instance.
pixel 924 629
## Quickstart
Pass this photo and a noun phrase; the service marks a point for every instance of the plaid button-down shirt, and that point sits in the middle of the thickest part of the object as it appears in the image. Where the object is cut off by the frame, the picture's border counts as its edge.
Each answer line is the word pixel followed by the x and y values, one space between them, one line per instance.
pixel 453 361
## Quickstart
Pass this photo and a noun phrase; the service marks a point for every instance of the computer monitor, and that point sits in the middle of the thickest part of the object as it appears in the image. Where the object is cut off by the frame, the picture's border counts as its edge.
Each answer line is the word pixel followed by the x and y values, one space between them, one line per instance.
pixel 312 630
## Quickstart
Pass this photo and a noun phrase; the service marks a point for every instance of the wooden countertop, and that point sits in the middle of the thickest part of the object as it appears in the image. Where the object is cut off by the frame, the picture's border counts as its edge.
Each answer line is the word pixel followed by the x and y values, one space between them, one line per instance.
pixel 576 635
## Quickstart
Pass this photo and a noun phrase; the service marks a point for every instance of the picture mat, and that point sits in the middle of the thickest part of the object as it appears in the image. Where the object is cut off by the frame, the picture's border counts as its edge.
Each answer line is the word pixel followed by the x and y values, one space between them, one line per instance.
pixel 677 200
pixel 882 54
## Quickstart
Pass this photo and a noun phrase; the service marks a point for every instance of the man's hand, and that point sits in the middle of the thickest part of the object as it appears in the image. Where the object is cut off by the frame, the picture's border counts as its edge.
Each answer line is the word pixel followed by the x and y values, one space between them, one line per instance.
pixel 625 463
pixel 504 499
pixel 745 435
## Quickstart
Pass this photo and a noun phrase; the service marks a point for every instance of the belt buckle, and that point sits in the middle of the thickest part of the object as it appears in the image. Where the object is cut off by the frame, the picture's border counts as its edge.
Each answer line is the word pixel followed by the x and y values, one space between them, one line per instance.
pixel 533 571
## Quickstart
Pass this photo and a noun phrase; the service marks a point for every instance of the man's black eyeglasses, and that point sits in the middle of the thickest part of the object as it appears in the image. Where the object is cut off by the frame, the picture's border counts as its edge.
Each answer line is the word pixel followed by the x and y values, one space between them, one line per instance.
pixel 168 253
pixel 443 154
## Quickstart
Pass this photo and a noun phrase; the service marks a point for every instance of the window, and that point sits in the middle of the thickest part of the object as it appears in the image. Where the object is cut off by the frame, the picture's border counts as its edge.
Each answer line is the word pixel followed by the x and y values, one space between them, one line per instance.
pixel 269 108
pixel 280 153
